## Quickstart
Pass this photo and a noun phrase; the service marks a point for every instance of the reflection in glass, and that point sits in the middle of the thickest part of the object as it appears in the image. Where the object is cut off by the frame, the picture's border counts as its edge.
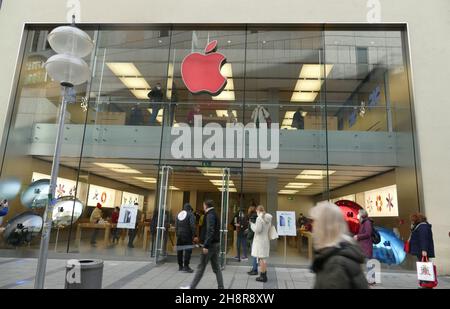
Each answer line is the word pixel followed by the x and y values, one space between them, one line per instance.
pixel 36 195
pixel 22 228
pixel 9 188
pixel 63 210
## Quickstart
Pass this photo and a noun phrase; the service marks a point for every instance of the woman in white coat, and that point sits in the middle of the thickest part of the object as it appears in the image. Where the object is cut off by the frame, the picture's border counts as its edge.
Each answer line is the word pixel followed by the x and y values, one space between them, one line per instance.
pixel 261 242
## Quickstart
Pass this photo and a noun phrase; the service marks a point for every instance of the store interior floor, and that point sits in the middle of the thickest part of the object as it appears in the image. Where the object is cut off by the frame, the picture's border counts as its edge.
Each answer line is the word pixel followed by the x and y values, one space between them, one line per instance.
pixel 121 251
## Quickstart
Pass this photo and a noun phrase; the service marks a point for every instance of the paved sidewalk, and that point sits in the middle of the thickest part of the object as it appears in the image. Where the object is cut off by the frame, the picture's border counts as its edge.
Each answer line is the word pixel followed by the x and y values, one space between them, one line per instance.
pixel 19 274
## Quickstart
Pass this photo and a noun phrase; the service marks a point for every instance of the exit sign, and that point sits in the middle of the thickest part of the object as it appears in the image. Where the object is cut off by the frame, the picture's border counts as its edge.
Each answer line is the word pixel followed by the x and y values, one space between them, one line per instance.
pixel 206 163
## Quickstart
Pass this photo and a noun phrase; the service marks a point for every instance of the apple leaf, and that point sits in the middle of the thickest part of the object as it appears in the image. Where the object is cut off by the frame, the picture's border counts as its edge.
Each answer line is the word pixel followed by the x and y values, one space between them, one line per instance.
pixel 211 47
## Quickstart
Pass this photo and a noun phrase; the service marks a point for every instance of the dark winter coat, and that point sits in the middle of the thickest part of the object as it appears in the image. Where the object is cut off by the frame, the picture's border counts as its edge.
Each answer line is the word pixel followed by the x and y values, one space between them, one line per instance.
pixel 241 219
pixel 422 240
pixel 339 268
pixel 210 232
pixel 365 238
pixel 250 233
pixel 185 226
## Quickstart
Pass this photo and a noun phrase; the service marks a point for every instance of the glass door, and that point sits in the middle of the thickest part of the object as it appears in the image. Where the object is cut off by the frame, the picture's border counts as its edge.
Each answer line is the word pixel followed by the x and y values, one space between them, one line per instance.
pixel 193 185
pixel 224 216
pixel 163 213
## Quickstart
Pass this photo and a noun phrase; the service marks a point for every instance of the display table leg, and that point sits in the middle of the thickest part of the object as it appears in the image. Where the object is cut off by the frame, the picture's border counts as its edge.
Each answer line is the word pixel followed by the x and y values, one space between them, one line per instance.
pixel 107 235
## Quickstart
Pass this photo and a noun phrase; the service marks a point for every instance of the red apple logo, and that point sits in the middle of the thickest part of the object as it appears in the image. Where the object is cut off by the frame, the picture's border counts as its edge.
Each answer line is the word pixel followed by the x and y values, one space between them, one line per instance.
pixel 201 72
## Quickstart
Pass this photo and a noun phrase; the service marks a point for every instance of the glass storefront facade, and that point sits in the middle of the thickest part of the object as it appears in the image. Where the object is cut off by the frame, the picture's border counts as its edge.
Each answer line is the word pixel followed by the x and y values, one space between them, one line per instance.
pixel 340 95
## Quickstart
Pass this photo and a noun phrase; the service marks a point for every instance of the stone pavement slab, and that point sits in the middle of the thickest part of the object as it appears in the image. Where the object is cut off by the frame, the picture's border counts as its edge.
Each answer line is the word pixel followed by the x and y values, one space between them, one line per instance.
pixel 19 274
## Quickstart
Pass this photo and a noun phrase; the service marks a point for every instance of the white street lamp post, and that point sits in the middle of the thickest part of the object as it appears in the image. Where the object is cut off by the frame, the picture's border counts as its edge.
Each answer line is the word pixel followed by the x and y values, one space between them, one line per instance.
pixel 68 68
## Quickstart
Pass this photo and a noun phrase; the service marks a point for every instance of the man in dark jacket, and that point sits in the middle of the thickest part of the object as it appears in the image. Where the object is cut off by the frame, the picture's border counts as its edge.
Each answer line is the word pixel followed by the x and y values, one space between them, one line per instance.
pixel 240 222
pixel 185 230
pixel 339 268
pixel 156 97
pixel 210 238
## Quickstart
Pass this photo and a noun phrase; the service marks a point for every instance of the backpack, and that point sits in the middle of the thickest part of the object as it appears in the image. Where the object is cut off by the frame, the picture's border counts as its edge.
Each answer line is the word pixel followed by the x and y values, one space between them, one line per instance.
pixel 376 238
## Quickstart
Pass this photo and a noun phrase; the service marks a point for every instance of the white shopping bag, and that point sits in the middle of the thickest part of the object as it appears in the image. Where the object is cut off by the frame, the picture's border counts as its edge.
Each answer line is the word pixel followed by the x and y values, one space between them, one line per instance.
pixel 273 234
pixel 425 271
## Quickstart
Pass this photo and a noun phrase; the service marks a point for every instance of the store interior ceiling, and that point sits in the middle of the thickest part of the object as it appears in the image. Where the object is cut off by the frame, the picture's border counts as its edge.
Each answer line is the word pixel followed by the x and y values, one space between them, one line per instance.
pixel 292 179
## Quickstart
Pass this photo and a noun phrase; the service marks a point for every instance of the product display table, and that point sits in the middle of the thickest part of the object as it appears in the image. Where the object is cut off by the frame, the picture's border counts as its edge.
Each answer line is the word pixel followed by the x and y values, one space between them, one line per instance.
pixel 171 241
pixel 106 226
pixel 308 235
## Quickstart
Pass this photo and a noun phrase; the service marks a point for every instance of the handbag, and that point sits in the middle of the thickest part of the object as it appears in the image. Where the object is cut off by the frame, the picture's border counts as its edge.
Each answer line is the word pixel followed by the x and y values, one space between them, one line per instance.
pixel 407 246
pixel 273 234
pixel 426 273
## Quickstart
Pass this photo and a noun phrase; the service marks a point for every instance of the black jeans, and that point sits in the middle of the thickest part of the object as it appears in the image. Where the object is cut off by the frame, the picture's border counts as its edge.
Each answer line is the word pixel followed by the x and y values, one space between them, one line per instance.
pixel 213 256
pixel 131 236
pixel 184 256
pixel 241 243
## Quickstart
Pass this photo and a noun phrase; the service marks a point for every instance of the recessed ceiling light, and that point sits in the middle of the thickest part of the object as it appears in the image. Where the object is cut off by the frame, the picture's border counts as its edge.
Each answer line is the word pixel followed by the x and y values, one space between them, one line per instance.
pixel 305 97
pixel 123 68
pixel 126 171
pixel 264 42
pixel 224 113
pixel 314 174
pixel 146 179
pixel 298 185
pixel 315 71
pixel 118 168
pixel 159 41
pixel 218 182
pixel 287 192
pixel 110 165
pixel 229 42
pixel 308 85
pixel 140 94
pixel 229 189
pixel 135 82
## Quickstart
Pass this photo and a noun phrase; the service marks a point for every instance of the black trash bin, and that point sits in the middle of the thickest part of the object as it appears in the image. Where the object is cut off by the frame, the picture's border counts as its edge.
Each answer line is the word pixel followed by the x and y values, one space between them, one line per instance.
pixel 84 274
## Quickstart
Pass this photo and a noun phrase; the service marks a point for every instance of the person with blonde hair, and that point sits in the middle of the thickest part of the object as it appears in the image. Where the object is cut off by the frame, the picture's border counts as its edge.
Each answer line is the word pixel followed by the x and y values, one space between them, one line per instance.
pixel 261 241
pixel 338 259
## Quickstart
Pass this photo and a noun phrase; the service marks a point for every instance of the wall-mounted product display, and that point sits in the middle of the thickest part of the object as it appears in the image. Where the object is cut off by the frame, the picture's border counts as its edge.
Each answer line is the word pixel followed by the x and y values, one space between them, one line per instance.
pixel 381 202
pixel 131 199
pixel 102 195
pixel 286 223
pixel 64 187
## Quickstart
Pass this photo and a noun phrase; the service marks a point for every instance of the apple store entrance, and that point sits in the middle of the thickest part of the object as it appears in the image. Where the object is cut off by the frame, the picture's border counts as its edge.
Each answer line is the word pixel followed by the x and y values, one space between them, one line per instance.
pixel 337 97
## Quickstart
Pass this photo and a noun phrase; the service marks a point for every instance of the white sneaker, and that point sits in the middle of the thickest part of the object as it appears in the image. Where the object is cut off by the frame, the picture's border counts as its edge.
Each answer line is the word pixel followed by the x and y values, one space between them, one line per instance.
pixel 188 287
